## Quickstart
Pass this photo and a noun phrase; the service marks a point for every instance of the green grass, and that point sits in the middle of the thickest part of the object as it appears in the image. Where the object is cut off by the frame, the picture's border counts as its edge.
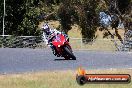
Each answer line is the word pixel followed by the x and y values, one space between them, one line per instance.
pixel 56 79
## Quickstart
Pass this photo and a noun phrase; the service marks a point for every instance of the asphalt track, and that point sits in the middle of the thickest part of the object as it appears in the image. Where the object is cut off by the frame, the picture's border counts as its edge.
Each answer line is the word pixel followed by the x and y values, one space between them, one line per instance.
pixel 26 60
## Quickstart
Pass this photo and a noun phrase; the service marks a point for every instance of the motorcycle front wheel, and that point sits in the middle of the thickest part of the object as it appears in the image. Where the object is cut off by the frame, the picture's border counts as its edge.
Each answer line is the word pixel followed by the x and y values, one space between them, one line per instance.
pixel 68 51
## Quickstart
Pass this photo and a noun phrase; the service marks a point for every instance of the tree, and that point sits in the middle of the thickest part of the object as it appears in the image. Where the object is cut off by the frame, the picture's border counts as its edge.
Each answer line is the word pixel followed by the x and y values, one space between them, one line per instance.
pixel 65 17
pixel 84 14
pixel 14 15
pixel 1 15
pixel 22 17
pixel 88 19
pixel 121 9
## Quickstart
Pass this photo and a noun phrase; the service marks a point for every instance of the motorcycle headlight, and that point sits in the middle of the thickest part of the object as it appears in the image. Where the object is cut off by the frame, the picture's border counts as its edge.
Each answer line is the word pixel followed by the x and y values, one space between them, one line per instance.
pixel 58 45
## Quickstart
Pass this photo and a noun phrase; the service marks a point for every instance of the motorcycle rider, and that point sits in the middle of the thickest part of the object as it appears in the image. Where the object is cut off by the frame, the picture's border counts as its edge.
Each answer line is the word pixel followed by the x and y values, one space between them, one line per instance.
pixel 48 35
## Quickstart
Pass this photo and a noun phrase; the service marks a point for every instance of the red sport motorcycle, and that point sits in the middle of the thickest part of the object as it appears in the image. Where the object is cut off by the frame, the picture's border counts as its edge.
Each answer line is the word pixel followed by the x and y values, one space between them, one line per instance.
pixel 62 47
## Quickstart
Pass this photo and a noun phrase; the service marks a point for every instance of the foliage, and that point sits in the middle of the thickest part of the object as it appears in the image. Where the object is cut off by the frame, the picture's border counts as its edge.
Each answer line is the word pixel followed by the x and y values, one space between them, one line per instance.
pixel 64 14
pixel 30 22
pixel 23 16
pixel 89 20
pixel 14 16
pixel 124 6
pixel 83 12
pixel 1 16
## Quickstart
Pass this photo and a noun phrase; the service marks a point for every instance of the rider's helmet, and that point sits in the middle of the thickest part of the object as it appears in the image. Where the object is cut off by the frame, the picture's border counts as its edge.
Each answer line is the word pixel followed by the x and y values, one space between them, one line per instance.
pixel 46 29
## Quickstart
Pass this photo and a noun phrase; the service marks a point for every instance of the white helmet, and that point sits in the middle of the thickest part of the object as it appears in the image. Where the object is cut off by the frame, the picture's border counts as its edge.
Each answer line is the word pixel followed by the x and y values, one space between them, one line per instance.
pixel 46 28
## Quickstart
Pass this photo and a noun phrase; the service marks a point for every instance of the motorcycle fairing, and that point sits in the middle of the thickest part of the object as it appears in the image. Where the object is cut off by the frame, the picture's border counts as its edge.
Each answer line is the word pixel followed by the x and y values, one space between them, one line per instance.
pixel 59 40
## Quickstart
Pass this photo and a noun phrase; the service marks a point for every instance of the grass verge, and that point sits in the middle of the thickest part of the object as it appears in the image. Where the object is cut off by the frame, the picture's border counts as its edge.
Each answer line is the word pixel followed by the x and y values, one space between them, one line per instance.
pixel 57 79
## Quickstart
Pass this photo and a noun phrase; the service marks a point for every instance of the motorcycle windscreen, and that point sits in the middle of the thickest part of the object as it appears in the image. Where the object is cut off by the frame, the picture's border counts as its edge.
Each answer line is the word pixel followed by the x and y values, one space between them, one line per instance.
pixel 59 40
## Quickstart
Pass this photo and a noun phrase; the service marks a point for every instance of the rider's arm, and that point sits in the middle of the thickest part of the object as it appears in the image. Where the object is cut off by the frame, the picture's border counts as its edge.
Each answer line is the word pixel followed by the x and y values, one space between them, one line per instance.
pixel 56 31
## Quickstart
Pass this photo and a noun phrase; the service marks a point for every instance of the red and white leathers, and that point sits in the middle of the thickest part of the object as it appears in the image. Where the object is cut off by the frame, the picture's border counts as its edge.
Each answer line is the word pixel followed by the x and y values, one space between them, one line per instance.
pixel 48 33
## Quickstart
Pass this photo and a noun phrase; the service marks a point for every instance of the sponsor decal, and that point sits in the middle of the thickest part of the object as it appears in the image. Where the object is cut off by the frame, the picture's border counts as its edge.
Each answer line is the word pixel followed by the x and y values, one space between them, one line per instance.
pixel 83 78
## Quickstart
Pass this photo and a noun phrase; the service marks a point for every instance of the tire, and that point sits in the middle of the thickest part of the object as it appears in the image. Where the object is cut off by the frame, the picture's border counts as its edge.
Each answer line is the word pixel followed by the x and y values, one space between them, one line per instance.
pixel 81 80
pixel 69 52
